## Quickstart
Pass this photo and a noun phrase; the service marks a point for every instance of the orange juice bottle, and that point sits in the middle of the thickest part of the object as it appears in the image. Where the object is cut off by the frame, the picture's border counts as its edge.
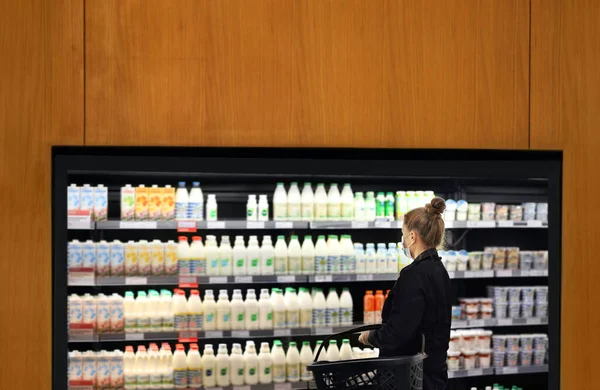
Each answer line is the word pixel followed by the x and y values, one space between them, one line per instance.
pixel 369 308
pixel 154 203
pixel 141 203
pixel 379 299
pixel 168 203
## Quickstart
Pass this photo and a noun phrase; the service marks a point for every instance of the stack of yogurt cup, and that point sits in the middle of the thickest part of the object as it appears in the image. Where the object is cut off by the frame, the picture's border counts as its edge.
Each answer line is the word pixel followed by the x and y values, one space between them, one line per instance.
pixel 519 350
pixel 469 349
pixel 519 302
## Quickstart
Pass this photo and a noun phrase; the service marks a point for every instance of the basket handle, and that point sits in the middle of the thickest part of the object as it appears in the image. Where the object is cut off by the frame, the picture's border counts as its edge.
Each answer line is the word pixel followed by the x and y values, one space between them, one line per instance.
pixel 349 331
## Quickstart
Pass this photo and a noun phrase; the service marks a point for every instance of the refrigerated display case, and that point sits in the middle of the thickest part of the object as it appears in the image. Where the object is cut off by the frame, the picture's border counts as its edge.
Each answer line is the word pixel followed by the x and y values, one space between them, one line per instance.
pixel 502 252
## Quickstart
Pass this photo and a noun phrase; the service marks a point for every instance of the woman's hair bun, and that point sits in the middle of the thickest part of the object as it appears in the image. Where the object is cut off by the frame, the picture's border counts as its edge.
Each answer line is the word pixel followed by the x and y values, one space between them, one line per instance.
pixel 436 206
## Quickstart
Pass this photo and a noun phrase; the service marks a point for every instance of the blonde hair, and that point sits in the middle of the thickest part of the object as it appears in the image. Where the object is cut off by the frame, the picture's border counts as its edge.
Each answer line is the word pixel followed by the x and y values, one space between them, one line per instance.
pixel 427 222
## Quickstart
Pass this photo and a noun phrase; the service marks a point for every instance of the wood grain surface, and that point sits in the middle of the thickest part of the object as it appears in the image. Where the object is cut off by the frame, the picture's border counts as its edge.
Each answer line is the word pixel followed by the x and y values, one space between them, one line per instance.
pixel 41 104
pixel 565 114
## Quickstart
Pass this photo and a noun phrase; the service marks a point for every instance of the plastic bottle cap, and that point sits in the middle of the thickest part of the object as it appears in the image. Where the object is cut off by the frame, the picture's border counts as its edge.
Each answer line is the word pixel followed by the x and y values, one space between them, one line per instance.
pixel 292 343
pixel 182 238
pixel 332 342
pixel 379 292
pixel 369 292
pixel 181 184
pixel 196 238
pixel 195 292
pixel 306 343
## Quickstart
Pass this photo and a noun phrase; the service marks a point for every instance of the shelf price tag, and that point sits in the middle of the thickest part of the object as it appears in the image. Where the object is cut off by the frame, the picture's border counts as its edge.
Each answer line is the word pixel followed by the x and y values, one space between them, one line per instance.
pixel 217 279
pixel 286 279
pixel 243 279
pixel 186 227
pixel 282 332
pixel 137 225
pixel 284 225
pixel 360 224
pixel 383 224
pixel 534 223
pixel 188 282
pixel 475 372
pixel 510 370
pixel 506 224
pixel 504 273
pixel 323 331
pixel 534 321
pixel 79 219
pixel 188 337
pixel 212 334
pixel 282 386
pixel 241 387
pixel 364 277
pixel 323 278
pixel 81 277
pixel 215 225
pixel 255 225
pixel 134 336
pixel 240 334
pixel 136 280
pixel 476 323
pixel 505 321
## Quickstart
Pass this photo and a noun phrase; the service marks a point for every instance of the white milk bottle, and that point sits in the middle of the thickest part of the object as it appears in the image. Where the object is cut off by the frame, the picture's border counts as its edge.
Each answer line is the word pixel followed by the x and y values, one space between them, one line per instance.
pixel 180 375
pixel 281 256
pixel 306 358
pixel 323 355
pixel 292 308
pixel 392 258
pixel 157 257
pixel 103 369
pixel 195 210
pixel 347 203
pixel 333 352
pixel 292 363
pixel 181 202
pixel 294 253
pixel 279 203
pixel 251 208
pixel 144 261
pixel 171 258
pixel 346 307
pixel 332 316
pixel 251 313
pixel 195 311
pixel 307 200
pixel 346 350
pixel 194 366
pixel 237 365
pixel 305 306
pixel 197 257
pixel 237 311
pixel 278 362
pixel 154 369
pixel 75 305
pixel 209 365
pixel 308 256
pixel 166 359
pixel 370 206
pixel 166 311
pixel 212 256
pixel 212 208
pixel 251 364
pixel 142 311
pixel 239 257
pixel 319 308
pixel 253 256
pixel 320 203
pixel 102 314
pixel 154 307
pixel 381 258
pixel 333 203
pixel 370 258
pixel 129 312
pixel 223 367
pixel 102 258
pixel 117 378
pixel 359 207
pixel 117 258
pixel 279 310
pixel 294 203
pixel 89 255
pixel 347 258
pixel 223 311
pixel 129 368
pixel 75 254
pixel 263 208
pixel 333 255
pixel 267 257
pixel 89 310
pixel 209 307
pixel 226 256
pixel 183 256
pixel 141 362
pixel 359 256
pixel 265 310
pixel 321 255
pixel 180 311
pixel 265 364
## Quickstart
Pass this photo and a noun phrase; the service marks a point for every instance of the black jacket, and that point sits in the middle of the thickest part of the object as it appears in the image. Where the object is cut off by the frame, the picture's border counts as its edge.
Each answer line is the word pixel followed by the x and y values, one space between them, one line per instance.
pixel 419 303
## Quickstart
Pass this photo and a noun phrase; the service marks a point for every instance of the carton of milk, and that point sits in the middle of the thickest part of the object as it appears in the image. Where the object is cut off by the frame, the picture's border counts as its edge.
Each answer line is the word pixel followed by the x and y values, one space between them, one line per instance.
pixel 73 197
pixel 89 310
pixel 157 257
pixel 131 259
pixel 87 198
pixel 89 254
pixel 100 203
pixel 75 366
pixel 117 321
pixel 117 258
pixel 127 203
pixel 171 258
pixel 141 203
pixel 75 305
pixel 103 370
pixel 168 203
pixel 75 254
pixel 102 314
pixel 144 260
pixel 102 259
pixel 154 203
pixel 117 379
pixel 89 367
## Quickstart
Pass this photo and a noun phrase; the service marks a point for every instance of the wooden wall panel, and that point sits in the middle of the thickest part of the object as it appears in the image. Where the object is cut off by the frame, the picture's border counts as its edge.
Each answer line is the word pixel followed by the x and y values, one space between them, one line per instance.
pixel 565 114
pixel 41 103
pixel 307 72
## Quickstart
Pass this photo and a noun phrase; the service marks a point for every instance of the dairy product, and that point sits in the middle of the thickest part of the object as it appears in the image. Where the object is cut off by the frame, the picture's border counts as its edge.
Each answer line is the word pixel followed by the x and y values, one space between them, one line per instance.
pixel 157 257
pixel 89 367
pixel 129 312
pixel 116 310
pixel 73 197
pixel 371 259
pixel 278 356
pixel 347 257
pixel 332 316
pixel 75 254
pixel 131 258
pixel 321 256
pixel 141 203
pixel 305 306
pixel 281 256
pixel 75 306
pixel 267 256
pixel 265 310
pixel 333 255
pixel 292 363
pixel 166 366
pixel 279 203
pixel 212 208
pixel 144 261
pixel 392 258
pixel 239 257
pixel 237 365
pixel 194 367
pixel 294 256
pixel 346 307
pixel 195 207
pixel 223 367
pixel 89 254
pixel 141 363
pixel 117 378
pixel 251 369
pixel 370 206
pixel 320 203
pixel 382 258
pixel 308 256
pixel 279 309
pixel 226 256
pixel 306 358
pixel 197 257
pixel 251 208
pixel 346 350
pixel 237 311
pixel 102 314
pixel 333 352
pixel 153 368
pixel 263 208
pixel 359 207
pixel 291 308
pixel 251 311
pixel 195 311
pixel 129 368
pixel 141 308
pixel 181 202
pixel 102 259
pixel 333 203
pixel 212 254
pixel 89 310
pixel 209 307
pixel 127 203
pixel 369 308
pixel 167 316
pixel 183 256
pixel 293 203
pixel 319 308
pixel 155 203
pixel 265 364
pixel 154 307
pixel 307 201
pixel 167 203
pixel 87 199
pixel 180 311
pixel 223 311
pixel 209 366
pixel 359 259
pixel 253 258
pixel 180 368
pixel 347 203
pixel 171 263
pixel 100 203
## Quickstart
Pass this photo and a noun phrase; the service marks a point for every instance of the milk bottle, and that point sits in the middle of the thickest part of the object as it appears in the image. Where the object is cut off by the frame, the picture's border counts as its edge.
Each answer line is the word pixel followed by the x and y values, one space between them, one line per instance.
pixel 359 207
pixel 263 208
pixel 251 311
pixel 73 197
pixel 347 203
pixel 166 311
pixel 180 372
pixel 195 311
pixel 332 316
pixel 141 362
pixel 346 307
pixel 212 256
pixel 319 309
pixel 166 364
pixel 154 203
pixel 294 202
pixel 237 311
pixel 223 366
pixel 195 210
pixel 267 255
pixel 87 199
pixel 306 358
pixel 320 202
pixel 392 258
pixel 129 313
pixel 75 304
pixel 323 355
pixel 251 208
pixel 142 312
pixel 281 256
pixel 381 258
pixel 359 256
pixel 89 254
pixel 102 369
pixel 370 258
pixel 157 257
pixel 292 363
pixel 183 256
pixel 75 254
pixel 294 253
pixel 279 203
pixel 239 257
pixel 117 379
pixel 370 206
pixel 278 356
pixel 131 258
pixel 347 258
pixel 333 203
pixel 333 352
pixel 127 203
pixel 171 258
pixel 167 203
pixel 194 367
pixel 154 306
pixel 321 254
pixel 308 256
pixel 209 365
pixel 346 350
pixel 223 311
pixel 265 310
pixel 236 365
pixel 89 310
pixel 333 255
pixel 251 364
pixel 211 208
pixel 253 256
pixel 102 314
pixel 102 258
pixel 180 311
pixel 292 308
pixel 307 201
pixel 129 368
pixel 305 306
pixel 209 307
pixel 144 262
pixel 226 256
pixel 197 257
pixel 279 309
pixel 153 368
pixel 265 364
pixel 181 202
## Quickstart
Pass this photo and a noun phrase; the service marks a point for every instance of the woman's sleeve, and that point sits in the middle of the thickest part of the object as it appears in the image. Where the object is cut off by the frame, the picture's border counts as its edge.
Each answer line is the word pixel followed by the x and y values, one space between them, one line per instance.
pixel 401 327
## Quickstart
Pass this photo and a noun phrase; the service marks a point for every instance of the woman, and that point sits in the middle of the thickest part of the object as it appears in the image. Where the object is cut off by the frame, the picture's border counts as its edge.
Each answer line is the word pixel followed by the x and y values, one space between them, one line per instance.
pixel 420 301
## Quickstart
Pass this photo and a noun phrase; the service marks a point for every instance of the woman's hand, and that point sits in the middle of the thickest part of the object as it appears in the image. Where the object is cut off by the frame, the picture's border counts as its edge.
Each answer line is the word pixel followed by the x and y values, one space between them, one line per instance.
pixel 364 338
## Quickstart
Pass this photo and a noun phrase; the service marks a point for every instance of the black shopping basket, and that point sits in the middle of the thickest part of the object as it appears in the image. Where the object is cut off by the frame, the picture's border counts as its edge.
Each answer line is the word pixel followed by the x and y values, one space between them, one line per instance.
pixel 389 373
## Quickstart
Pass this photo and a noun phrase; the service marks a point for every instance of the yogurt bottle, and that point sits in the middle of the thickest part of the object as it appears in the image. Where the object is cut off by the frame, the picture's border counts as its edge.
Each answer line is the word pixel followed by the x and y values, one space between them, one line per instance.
pixel 197 257
pixel 294 253
pixel 212 208
pixel 382 259
pixel 209 308
pixel 294 202
pixel 307 200
pixel 292 308
pixel 195 209
pixel 250 364
pixel 166 366
pixel 280 203
pixel 359 207
pixel 211 252
pixel 321 254
pixel 251 208
pixel 359 256
pixel 320 203
pixel 141 308
pixel 102 258
pixel 236 365
pixel 223 311
pixel 333 352
pixel 332 316
pixel 281 256
pixel 333 255
pixel 226 256
pixel 166 311
pixel 240 266
pixel 265 310
pixel 346 350
pixel 129 368
pixel 223 367
pixel 263 208
pixel 371 258
pixel 209 366
pixel 308 256
pixel 253 257
pixel 154 313
pixel 346 307
pixel 319 308
pixel 306 358
pixel 347 203
pixel 181 202
pixel 305 306
pixel 129 312
pixel 171 258
pixel 180 311
pixel 292 363
pixel 333 203
pixel 370 206
pixel 267 256
pixel 265 364
pixel 392 258
pixel 141 363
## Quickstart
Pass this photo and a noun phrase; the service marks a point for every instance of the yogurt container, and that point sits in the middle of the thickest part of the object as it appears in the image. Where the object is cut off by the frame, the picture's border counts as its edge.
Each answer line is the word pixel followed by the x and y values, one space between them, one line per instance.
pixel 514 294
pixel 454 345
pixel 463 258
pixel 515 213
pixel 541 310
pixel 525 260
pixel 500 294
pixel 486 314
pixel 486 304
pixel 485 357
pixel 539 342
pixel 487 260
pixel 469 340
pixel 512 358
pixel 528 293
pixel 462 206
pixel 539 357
pixel 484 339
pixel 474 208
pixel 488 211
pixel 473 216
pixel 475 260
pixel 526 342
pixel 469 358
pixel 512 257
pixel 499 359
pixel 525 358
pixel 541 294
pixel 471 305
pixel 512 343
pixel 498 343
pixel 540 260
pixel 500 310
pixel 461 215
pixel 453 360
pixel 472 316
pixel 501 212
pixel 514 310
pixel 527 309
pixel 451 260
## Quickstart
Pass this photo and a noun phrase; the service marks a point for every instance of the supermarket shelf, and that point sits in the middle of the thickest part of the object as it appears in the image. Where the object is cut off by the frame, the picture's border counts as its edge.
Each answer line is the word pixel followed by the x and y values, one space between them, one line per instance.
pixel 471 274
pixel 351 278
pixel 202 225
pixel 515 273
pixel 271 386
pixel 499 322
pixel 470 373
pixel 494 224
pixel 356 225
pixel 521 370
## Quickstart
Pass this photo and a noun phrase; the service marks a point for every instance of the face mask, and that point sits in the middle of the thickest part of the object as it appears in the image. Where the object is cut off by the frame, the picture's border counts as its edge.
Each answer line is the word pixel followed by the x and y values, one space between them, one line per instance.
pixel 406 250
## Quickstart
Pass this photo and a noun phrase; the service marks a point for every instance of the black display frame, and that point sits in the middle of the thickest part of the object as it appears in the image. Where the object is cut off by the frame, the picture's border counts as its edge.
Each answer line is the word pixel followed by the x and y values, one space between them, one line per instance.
pixel 432 163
